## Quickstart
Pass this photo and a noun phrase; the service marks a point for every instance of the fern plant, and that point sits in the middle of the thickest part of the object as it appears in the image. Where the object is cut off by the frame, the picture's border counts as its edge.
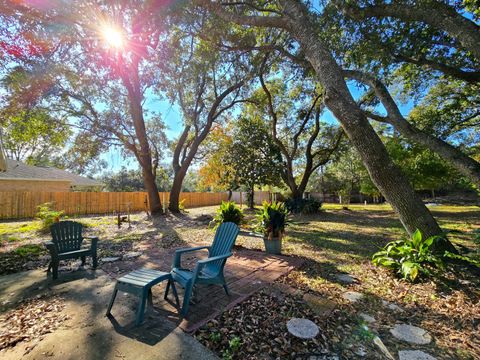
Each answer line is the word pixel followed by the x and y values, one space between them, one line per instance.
pixel 229 212
pixel 410 257
pixel 48 216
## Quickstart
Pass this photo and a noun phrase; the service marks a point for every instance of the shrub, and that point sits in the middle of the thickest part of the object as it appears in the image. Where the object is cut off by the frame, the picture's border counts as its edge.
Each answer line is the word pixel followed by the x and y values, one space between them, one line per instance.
pixel 410 257
pixel 229 212
pixel 304 206
pixel 181 205
pixel 272 219
pixel 48 216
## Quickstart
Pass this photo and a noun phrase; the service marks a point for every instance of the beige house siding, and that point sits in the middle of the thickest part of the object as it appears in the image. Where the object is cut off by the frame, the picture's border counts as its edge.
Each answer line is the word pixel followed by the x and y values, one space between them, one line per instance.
pixel 34 185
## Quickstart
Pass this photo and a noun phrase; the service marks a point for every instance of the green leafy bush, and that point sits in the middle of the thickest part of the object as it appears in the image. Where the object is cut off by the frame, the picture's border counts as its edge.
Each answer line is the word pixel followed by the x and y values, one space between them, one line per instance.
pixel 410 257
pixel 272 219
pixel 229 212
pixel 48 216
pixel 304 206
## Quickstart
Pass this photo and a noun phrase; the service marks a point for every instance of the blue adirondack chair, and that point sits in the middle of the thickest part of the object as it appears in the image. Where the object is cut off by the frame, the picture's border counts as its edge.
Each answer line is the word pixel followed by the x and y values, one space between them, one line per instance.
pixel 208 271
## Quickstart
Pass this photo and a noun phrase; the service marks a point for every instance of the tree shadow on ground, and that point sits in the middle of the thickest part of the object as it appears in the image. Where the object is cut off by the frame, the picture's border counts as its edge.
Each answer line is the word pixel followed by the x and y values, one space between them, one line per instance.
pixel 382 219
pixel 347 242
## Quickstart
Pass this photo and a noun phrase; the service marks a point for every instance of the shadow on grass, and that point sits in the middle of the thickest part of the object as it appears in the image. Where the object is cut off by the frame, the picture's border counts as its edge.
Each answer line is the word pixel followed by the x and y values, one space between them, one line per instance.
pixel 347 242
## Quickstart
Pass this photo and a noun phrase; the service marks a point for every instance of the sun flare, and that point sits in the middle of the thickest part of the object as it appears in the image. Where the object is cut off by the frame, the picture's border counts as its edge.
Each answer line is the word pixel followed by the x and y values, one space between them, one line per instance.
pixel 112 37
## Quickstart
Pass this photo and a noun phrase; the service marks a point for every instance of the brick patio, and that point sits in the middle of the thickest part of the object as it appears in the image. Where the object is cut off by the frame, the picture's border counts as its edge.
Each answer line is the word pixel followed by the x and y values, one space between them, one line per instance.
pixel 247 271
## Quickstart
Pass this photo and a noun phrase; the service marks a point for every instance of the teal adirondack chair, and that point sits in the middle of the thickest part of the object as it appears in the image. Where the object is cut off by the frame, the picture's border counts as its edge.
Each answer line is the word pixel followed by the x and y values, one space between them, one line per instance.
pixel 208 271
pixel 66 244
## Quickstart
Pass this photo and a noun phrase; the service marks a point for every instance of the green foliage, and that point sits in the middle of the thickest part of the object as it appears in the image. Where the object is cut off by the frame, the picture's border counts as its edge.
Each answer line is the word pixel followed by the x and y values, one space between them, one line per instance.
pixel 253 155
pixel 229 212
pixel 272 219
pixel 132 180
pixel 476 240
pixel 410 257
pixel 215 337
pixel 48 216
pixel 235 344
pixel 304 206
pixel 29 250
pixel 181 205
pixel 30 133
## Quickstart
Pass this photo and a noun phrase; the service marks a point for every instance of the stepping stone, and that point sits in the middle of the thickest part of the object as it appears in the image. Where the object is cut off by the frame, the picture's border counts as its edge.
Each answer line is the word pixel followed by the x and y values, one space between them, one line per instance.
pixel 411 334
pixel 392 306
pixel 131 255
pixel 110 259
pixel 352 296
pixel 367 318
pixel 321 306
pixel 302 328
pixel 414 355
pixel 345 278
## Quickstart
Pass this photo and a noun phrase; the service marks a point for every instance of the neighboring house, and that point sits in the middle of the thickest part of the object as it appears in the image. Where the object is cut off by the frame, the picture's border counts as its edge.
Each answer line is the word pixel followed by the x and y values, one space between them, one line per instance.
pixel 22 177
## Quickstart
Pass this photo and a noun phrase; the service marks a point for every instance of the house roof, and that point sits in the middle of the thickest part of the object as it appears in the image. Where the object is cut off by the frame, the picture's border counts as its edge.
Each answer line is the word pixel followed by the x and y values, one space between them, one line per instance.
pixel 17 170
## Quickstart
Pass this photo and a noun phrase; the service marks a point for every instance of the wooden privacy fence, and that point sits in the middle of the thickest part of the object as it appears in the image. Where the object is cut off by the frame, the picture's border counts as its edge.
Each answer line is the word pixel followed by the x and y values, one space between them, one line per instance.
pixel 18 205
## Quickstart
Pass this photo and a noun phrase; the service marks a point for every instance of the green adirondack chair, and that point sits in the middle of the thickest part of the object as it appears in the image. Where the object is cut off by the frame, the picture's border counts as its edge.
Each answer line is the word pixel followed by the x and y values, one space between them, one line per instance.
pixel 208 271
pixel 66 244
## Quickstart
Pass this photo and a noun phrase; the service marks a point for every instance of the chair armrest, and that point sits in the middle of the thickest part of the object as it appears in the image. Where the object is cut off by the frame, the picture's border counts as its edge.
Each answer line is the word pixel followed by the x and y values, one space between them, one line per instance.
pixel 94 242
pixel 50 245
pixel 215 258
pixel 178 254
pixel 202 263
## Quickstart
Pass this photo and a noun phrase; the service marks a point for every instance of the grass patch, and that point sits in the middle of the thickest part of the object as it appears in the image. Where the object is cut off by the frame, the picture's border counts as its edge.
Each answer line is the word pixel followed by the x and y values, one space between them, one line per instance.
pixel 15 227
pixel 29 250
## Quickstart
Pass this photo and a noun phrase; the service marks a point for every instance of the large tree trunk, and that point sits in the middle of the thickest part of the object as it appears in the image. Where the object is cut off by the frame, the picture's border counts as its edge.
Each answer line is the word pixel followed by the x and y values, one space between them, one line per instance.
pixel 386 176
pixel 173 205
pixel 251 197
pixel 143 154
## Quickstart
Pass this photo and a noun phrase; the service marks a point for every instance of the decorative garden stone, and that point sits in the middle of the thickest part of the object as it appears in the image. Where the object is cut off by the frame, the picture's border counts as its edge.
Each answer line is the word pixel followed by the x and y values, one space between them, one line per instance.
pixel 302 328
pixel 110 259
pixel 411 334
pixel 367 318
pixel 414 355
pixel 346 279
pixel 352 296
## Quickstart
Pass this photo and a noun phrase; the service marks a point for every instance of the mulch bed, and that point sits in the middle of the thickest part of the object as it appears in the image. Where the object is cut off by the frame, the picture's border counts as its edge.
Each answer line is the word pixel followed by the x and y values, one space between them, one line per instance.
pixel 259 326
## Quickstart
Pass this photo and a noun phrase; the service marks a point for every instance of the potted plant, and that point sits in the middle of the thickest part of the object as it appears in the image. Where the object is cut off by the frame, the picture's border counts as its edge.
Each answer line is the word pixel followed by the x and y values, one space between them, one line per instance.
pixel 272 219
pixel 229 212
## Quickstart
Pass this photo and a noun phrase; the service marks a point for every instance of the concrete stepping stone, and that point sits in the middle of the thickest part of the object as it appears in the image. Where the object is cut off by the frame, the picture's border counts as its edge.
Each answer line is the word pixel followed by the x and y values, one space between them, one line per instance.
pixel 411 334
pixel 352 296
pixel 110 259
pixel 302 328
pixel 414 355
pixel 368 318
